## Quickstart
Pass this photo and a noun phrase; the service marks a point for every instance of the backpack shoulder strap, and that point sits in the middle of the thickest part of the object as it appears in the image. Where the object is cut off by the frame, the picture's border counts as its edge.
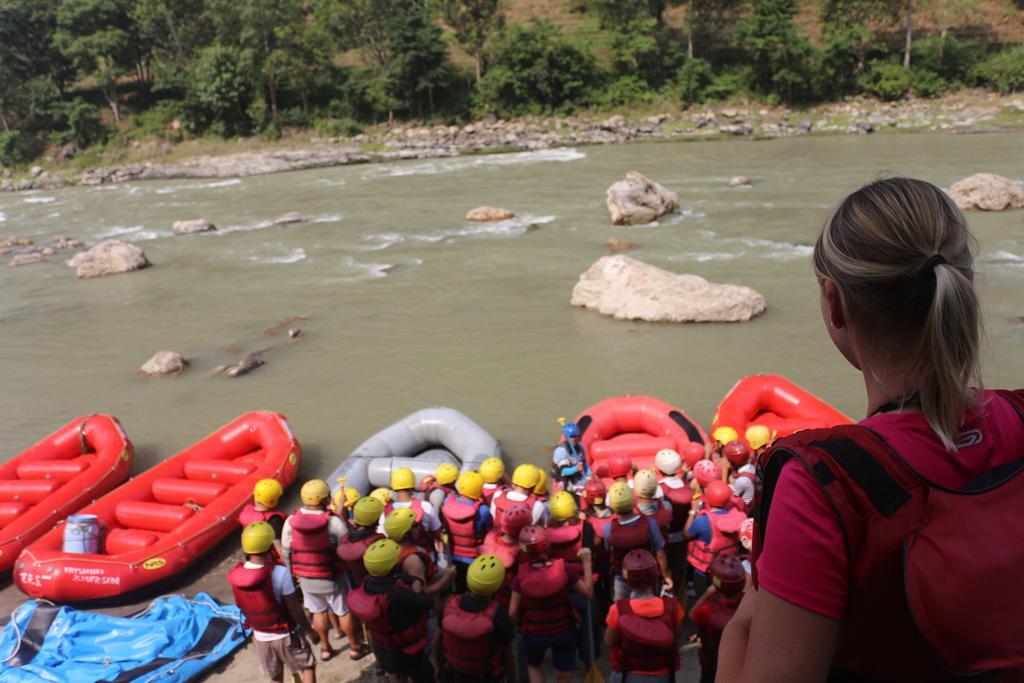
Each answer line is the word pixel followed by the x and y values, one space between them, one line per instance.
pixel 859 472
pixel 1015 398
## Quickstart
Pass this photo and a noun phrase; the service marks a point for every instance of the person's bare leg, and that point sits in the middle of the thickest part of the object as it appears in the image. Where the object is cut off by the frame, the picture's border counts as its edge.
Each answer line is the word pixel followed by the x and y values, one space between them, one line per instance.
pixel 309 675
pixel 563 676
pixel 535 673
pixel 335 622
pixel 322 626
pixel 348 627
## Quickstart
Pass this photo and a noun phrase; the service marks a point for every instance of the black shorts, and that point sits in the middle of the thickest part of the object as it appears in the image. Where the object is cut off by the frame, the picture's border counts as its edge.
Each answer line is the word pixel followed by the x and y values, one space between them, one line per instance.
pixel 417 667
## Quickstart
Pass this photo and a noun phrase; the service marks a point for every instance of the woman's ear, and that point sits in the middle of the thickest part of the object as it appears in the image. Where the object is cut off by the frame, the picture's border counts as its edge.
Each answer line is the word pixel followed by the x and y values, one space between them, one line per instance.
pixel 832 305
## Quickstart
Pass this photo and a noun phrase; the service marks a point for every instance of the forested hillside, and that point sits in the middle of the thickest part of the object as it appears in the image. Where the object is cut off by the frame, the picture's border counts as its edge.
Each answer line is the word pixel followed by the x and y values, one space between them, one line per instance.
pixel 76 73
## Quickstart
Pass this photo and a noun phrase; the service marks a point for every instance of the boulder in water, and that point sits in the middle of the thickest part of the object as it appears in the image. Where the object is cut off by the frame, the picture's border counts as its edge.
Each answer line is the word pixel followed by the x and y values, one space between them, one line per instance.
pixel 638 199
pixel 739 181
pixel 987 192
pixel 628 289
pixel 245 366
pixel 26 259
pixel 193 226
pixel 108 258
pixel 487 214
pixel 290 218
pixel 621 245
pixel 164 363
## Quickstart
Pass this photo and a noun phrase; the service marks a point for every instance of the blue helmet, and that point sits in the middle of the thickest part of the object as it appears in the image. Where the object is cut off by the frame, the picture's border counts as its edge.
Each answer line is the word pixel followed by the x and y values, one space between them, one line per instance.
pixel 570 430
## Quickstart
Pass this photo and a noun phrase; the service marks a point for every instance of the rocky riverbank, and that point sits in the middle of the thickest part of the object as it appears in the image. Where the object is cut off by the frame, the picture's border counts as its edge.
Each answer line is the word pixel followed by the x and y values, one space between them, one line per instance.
pixel 966 112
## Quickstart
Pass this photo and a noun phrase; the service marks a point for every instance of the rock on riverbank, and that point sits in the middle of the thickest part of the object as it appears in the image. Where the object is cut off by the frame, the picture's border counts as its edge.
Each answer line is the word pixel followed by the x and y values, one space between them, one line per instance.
pixel 108 258
pixel 987 192
pixel 637 199
pixel 628 289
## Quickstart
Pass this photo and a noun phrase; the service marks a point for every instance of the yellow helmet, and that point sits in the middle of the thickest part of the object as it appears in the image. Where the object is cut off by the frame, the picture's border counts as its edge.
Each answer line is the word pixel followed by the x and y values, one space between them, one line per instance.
pixel 402 479
pixel 257 538
pixel 645 483
pixel 485 575
pixel 351 496
pixel 541 489
pixel 381 557
pixel 446 474
pixel 367 511
pixel 470 484
pixel 314 492
pixel 381 494
pixel 267 492
pixel 493 469
pixel 398 523
pixel 620 497
pixel 562 506
pixel 526 476
pixel 724 435
pixel 758 436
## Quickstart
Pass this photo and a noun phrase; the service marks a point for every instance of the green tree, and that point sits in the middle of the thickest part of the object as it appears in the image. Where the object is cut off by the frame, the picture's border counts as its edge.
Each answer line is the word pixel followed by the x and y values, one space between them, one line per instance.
pixel 417 63
pixel 706 20
pixel 615 14
pixel 220 88
pixel 473 21
pixel 100 39
pixel 778 51
pixel 174 30
pixel 857 19
pixel 360 25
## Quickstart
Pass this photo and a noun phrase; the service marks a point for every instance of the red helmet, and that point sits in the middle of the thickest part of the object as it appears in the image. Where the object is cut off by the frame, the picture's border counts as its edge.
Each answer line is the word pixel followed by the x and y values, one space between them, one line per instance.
pixel 693 453
pixel 534 541
pixel 728 575
pixel 706 472
pixel 717 494
pixel 595 491
pixel 515 518
pixel 737 453
pixel 640 570
pixel 619 465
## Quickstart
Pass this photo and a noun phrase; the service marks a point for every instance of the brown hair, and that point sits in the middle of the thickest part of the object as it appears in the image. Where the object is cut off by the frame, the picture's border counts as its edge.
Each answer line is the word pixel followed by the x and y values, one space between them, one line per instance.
pixel 901 256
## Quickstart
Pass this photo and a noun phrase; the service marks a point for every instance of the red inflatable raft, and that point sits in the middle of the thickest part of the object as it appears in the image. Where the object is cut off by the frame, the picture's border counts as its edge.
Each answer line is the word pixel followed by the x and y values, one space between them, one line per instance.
pixel 158 523
pixel 638 426
pixel 776 403
pixel 68 469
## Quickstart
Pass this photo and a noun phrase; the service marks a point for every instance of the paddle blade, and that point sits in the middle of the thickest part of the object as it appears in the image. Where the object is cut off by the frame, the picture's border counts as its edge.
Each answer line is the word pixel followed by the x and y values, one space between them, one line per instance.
pixel 593 675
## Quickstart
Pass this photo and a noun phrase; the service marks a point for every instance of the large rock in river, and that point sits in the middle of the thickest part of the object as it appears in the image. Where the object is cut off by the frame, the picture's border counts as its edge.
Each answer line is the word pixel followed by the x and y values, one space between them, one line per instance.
pixel 987 192
pixel 164 363
pixel 193 226
pixel 638 199
pixel 628 289
pixel 108 258
pixel 486 214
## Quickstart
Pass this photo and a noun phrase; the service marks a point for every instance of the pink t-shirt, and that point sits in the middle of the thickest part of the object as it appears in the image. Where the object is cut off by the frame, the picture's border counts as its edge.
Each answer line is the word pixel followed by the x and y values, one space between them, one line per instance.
pixel 805 563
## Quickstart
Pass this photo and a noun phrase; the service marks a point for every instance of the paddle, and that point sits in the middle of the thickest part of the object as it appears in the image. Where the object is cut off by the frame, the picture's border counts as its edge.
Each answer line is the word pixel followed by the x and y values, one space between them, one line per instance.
pixel 593 674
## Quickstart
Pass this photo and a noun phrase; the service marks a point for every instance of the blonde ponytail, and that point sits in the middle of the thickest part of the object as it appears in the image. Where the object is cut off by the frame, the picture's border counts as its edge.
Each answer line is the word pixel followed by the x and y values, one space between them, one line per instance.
pixel 901 255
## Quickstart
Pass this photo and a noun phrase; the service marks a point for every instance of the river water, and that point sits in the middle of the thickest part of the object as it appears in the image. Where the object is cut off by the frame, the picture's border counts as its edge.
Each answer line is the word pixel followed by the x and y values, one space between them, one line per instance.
pixel 408 306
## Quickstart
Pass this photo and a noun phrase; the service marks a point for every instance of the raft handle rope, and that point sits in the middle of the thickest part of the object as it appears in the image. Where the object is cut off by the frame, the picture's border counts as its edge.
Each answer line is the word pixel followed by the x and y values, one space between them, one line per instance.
pixel 17 631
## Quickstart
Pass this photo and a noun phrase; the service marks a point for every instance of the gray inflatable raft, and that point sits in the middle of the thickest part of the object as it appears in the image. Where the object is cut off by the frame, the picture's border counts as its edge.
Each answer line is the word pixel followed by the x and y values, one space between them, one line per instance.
pixel 421 442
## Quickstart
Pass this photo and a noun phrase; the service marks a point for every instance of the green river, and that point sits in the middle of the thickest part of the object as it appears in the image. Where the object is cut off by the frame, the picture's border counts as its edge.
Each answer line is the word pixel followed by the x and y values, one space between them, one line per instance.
pixel 409 306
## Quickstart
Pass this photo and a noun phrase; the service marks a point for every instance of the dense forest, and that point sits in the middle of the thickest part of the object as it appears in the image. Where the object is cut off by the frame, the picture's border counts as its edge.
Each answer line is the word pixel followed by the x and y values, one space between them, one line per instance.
pixel 85 72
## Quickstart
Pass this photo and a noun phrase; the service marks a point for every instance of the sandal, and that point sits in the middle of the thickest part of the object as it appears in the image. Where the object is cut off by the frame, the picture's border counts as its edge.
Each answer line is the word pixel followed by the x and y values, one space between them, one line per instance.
pixel 358 652
pixel 325 655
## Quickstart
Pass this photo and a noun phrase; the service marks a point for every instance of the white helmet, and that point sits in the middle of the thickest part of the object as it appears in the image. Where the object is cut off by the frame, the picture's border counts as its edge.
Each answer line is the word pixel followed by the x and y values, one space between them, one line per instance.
pixel 668 461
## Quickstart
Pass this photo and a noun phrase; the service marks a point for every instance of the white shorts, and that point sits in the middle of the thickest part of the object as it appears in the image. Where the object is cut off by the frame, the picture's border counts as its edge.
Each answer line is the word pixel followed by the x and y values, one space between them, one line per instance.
pixel 318 602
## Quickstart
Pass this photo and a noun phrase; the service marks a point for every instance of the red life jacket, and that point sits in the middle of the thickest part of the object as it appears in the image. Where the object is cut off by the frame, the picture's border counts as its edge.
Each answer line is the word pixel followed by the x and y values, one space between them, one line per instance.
pixel 932 570
pixel 372 610
pixel 597 525
pixel 460 520
pixel 625 537
pixel 721 611
pixel 662 516
pixel 311 555
pixel 428 562
pixel 469 647
pixel 681 499
pixel 250 515
pixel 351 551
pixel 546 607
pixel 502 503
pixel 646 643
pixel 725 539
pixel 509 554
pixel 489 490
pixel 566 541
pixel 254 595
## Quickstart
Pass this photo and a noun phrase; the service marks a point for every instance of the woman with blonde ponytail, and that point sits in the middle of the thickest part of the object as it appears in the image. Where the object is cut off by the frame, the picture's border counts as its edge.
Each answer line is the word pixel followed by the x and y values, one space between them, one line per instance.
pixel 888 550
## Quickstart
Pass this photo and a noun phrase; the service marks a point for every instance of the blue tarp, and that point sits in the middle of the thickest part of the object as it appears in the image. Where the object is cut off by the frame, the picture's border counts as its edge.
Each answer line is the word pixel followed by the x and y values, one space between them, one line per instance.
pixel 173 640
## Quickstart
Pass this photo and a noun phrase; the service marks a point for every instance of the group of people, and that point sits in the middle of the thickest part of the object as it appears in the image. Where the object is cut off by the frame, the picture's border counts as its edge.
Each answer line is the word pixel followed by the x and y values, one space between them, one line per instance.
pixel 499 572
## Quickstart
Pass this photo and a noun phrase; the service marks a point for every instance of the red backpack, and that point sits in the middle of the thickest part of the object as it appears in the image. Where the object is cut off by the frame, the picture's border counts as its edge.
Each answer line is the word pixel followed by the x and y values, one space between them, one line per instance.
pixel 933 571
pixel 646 643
